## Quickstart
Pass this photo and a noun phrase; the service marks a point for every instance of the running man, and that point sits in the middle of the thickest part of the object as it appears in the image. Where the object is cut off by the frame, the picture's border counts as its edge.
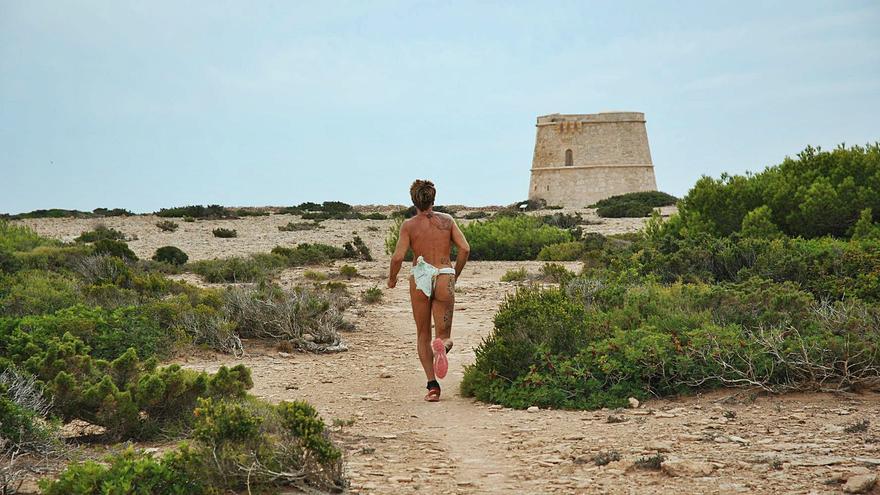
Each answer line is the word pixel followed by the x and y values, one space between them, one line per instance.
pixel 432 283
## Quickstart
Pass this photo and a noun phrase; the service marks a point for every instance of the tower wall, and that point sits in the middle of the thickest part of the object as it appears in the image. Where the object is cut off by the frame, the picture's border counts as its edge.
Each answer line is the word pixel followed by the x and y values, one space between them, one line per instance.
pixel 609 156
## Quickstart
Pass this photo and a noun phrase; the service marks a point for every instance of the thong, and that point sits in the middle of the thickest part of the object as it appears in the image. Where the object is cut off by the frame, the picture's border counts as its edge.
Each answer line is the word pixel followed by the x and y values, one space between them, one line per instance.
pixel 425 275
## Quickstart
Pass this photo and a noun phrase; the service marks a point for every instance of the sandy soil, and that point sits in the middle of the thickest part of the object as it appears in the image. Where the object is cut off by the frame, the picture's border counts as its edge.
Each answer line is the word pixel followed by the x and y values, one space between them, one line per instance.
pixel 732 441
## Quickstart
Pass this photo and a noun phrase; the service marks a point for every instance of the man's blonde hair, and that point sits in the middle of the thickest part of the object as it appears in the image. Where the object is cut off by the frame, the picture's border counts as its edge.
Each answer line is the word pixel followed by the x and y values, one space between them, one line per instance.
pixel 422 193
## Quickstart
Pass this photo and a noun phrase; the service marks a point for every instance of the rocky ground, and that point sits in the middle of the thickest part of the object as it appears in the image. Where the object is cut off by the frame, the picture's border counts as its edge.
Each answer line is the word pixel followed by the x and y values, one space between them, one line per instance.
pixel 730 441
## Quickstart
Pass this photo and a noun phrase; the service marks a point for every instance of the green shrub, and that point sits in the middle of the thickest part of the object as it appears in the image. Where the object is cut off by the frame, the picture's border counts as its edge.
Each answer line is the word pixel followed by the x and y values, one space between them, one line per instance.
pixel 827 268
pixel 128 473
pixel 298 226
pixel 54 258
pixel 375 216
pixel 167 226
pixel 224 233
pixel 251 212
pixel 171 255
pixel 564 251
pixel 131 398
pixel 188 219
pixel 33 292
pixel 515 275
pixel 511 238
pixel 21 238
pixel 53 213
pixel 816 194
pixel 348 271
pixel 9 263
pixel 309 254
pixel 759 223
pixel 283 445
pixel 61 213
pixel 357 248
pixel 114 248
pixel 650 198
pixel 112 212
pixel 373 295
pixel 196 211
pixel 625 209
pixel 865 228
pixel 553 348
pixel 556 273
pixel 100 232
pixel 237 269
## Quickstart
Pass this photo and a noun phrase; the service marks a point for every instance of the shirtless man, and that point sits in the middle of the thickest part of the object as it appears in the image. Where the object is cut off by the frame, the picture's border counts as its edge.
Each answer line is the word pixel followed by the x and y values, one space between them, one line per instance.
pixel 432 284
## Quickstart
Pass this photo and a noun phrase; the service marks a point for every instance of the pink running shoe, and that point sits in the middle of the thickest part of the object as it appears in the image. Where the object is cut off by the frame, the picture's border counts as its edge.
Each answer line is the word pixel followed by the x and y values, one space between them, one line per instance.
pixel 441 363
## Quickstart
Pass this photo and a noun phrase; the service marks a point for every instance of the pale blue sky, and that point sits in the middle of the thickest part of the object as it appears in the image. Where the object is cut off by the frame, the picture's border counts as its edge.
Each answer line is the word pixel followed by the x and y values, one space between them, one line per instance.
pixel 149 104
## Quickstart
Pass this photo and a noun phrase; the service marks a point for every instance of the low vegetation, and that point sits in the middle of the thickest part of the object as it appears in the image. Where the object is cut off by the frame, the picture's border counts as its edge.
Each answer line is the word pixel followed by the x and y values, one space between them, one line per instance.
pixel 167 226
pixel 100 232
pixel 515 275
pixel 224 233
pixel 83 328
pixel 515 238
pixel 197 211
pixel 373 295
pixel 637 204
pixel 60 213
pixel 709 298
pixel 171 255
pixel 299 226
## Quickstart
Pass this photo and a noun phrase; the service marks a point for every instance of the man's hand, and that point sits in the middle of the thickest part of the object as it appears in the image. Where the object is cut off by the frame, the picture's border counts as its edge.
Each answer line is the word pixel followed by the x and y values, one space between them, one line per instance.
pixel 392 282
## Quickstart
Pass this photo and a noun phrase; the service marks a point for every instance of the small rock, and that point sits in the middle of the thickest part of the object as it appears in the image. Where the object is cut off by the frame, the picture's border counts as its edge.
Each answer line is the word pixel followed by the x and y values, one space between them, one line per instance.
pixel 400 479
pixel 308 337
pixel 533 409
pixel 496 407
pixel 633 402
pixel 860 483
pixel 661 414
pixel 684 467
pixel 384 374
pixel 284 354
pixel 734 438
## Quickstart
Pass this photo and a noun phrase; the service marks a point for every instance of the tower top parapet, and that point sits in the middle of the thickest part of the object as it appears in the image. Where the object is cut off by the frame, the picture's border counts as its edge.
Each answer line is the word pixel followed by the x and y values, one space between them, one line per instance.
pixel 591 118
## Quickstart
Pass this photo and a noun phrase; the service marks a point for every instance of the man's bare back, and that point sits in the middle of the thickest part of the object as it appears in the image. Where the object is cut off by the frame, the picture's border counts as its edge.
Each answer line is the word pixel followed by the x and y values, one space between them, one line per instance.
pixel 431 237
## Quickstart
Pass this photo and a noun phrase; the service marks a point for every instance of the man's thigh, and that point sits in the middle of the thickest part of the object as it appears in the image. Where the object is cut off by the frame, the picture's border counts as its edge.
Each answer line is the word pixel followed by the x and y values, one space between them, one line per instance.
pixel 421 305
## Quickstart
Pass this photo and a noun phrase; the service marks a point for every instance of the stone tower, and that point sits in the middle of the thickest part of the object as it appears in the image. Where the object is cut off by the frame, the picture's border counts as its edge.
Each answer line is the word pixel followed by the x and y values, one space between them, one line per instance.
pixel 580 159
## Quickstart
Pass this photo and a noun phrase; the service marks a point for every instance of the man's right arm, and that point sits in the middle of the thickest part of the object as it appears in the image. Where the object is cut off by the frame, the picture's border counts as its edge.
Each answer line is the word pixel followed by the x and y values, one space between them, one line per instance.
pixel 464 249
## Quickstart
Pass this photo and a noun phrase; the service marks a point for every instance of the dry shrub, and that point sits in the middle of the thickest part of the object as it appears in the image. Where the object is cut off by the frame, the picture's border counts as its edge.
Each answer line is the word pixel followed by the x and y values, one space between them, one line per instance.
pixel 309 318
